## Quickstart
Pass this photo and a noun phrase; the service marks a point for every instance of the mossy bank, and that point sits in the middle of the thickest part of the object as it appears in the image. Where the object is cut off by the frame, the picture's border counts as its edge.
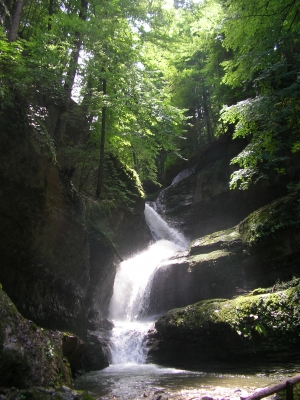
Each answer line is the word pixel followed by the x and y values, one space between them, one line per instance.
pixel 260 326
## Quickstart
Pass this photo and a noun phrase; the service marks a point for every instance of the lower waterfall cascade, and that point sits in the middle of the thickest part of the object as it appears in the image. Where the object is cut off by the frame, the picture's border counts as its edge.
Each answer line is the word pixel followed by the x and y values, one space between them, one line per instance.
pixel 129 376
pixel 130 300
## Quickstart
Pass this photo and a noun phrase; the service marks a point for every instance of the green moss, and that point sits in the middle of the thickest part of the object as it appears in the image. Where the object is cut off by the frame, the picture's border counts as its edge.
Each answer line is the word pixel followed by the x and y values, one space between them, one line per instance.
pixel 96 213
pixel 7 308
pixel 216 237
pixel 28 354
pixel 280 214
pixel 270 315
pixel 270 318
pixel 87 396
pixel 200 258
pixel 121 183
pixel 258 291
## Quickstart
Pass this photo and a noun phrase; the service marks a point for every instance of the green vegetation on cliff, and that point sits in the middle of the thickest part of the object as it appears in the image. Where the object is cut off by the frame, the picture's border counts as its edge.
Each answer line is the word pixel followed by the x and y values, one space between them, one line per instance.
pixel 275 317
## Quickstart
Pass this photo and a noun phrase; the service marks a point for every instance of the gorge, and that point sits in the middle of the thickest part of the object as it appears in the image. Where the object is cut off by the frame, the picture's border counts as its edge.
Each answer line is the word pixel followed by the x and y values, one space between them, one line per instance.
pixel 244 259
pixel 149 198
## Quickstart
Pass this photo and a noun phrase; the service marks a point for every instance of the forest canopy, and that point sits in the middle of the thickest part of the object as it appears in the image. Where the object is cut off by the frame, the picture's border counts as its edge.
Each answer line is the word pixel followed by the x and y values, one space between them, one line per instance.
pixel 150 83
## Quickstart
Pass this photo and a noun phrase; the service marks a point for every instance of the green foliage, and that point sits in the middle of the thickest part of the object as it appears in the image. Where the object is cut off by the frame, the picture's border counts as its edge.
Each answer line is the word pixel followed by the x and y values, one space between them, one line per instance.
pixel 33 66
pixel 42 62
pixel 193 56
pixel 121 186
pixel 272 123
pixel 263 37
pixel 170 74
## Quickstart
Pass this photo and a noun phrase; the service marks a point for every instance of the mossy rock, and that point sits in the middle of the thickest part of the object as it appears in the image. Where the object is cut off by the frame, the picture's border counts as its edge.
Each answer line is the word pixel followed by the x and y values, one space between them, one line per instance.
pixel 281 214
pixel 40 393
pixel 29 355
pixel 254 325
pixel 216 240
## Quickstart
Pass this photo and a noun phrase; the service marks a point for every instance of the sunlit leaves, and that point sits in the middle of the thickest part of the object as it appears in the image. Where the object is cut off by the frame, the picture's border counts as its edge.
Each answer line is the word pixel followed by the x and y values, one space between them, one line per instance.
pixel 259 33
pixel 272 123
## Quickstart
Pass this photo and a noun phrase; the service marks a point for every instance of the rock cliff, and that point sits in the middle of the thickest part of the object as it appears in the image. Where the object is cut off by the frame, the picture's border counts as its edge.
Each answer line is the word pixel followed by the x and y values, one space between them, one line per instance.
pixel 56 266
pixel 199 201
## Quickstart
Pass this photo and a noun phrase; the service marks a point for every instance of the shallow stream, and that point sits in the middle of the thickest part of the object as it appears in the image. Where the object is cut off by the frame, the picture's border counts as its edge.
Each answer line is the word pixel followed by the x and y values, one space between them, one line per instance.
pixel 137 381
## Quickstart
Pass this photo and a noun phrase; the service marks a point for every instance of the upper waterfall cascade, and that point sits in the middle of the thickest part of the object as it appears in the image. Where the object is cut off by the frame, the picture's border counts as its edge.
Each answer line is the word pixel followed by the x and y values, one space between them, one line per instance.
pixel 130 300
pixel 161 230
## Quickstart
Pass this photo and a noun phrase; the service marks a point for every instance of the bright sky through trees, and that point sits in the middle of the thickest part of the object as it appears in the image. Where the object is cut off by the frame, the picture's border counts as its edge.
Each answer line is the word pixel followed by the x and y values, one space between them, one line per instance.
pixel 170 3
pixel 220 67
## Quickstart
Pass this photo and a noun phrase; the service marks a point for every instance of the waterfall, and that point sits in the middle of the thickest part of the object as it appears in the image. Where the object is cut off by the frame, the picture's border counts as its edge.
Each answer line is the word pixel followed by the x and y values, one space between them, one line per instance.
pixel 129 303
pixel 161 230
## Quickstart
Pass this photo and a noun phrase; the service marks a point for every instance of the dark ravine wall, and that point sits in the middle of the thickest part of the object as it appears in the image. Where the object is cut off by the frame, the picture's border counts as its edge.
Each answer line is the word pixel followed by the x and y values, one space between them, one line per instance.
pixel 123 222
pixel 202 203
pixel 131 233
pixel 44 250
pixel 57 270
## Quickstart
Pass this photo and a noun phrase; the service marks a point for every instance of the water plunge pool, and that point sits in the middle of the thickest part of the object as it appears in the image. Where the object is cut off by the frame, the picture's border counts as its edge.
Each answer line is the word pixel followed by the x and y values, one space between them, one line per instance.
pixel 137 381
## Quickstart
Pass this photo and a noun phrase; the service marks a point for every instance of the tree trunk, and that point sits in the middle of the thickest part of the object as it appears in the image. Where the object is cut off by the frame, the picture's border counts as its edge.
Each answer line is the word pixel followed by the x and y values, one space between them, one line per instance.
pixel 102 143
pixel 16 19
pixel 206 115
pixel 69 82
pixel 50 12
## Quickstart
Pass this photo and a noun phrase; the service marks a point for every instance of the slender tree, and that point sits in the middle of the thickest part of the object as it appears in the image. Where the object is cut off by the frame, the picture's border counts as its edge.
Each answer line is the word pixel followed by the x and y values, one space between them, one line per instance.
pixel 102 143
pixel 16 19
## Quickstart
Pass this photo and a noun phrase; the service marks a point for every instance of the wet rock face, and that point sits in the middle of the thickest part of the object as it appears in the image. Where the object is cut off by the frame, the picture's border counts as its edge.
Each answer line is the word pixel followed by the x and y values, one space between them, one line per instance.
pixel 130 231
pixel 45 248
pixel 122 220
pixel 256 253
pixel 96 354
pixel 202 202
pixel 29 355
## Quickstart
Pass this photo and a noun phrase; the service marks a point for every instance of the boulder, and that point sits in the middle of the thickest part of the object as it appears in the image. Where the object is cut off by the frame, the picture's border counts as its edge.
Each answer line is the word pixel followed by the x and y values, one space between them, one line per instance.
pixel 29 355
pixel 72 348
pixel 96 354
pixel 261 327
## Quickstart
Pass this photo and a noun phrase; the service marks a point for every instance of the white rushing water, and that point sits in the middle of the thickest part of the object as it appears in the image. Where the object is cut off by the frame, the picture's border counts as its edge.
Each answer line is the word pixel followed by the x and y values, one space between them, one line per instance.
pixel 132 286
